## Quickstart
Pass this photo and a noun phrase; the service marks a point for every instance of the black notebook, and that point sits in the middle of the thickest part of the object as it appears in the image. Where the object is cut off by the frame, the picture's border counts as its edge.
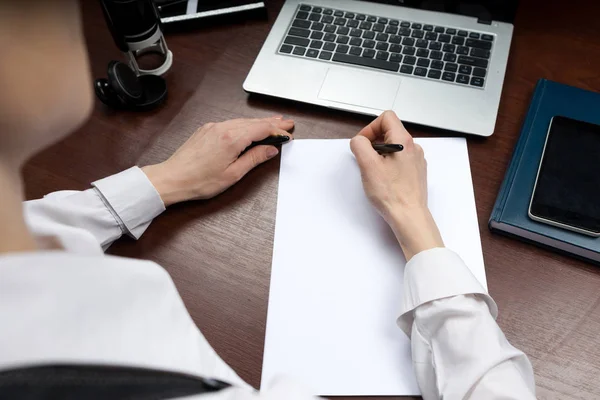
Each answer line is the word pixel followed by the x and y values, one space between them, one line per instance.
pixel 510 215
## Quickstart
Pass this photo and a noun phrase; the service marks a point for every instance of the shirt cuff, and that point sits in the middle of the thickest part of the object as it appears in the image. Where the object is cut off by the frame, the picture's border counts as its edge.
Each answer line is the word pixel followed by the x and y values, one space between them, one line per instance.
pixel 436 274
pixel 132 199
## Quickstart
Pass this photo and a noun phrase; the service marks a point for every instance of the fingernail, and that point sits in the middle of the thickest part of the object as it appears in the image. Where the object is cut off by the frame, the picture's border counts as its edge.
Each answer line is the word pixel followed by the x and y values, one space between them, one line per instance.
pixel 272 152
pixel 277 117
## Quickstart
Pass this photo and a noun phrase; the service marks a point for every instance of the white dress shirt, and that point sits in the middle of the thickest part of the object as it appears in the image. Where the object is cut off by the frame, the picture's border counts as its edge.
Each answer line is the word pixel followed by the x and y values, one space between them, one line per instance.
pixel 81 306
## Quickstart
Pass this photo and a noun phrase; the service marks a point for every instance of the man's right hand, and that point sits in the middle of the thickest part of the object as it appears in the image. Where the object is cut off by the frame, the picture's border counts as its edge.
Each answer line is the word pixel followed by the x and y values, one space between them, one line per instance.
pixel 396 184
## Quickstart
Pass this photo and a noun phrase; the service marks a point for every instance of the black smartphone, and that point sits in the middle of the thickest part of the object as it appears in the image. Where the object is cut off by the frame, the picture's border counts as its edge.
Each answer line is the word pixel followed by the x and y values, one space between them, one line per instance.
pixel 567 188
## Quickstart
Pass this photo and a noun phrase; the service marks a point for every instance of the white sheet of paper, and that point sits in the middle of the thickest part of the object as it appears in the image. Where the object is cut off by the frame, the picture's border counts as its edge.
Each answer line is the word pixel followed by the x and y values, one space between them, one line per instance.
pixel 337 274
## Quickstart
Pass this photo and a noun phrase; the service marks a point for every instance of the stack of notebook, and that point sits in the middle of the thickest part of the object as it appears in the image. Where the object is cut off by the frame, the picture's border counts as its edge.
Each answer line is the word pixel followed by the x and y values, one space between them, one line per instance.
pixel 510 214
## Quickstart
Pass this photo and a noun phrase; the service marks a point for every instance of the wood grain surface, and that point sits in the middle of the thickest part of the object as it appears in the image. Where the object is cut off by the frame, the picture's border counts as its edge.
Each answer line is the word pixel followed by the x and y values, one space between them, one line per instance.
pixel 219 251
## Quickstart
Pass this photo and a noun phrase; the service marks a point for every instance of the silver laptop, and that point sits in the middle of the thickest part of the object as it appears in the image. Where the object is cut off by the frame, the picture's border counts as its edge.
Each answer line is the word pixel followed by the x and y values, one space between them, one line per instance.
pixel 438 68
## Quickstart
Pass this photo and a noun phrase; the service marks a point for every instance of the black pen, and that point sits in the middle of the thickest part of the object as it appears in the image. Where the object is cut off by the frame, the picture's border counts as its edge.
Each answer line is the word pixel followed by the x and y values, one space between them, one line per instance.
pixel 271 140
pixel 387 148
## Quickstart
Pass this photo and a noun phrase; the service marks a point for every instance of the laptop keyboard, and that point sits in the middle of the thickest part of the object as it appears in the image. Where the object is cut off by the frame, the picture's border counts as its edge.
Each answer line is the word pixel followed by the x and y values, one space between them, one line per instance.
pixel 406 47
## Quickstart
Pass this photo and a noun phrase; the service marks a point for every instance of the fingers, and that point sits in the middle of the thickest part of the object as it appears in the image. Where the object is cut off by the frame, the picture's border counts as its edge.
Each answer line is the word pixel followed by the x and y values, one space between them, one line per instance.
pixel 278 120
pixel 363 151
pixel 253 157
pixel 285 124
pixel 261 130
pixel 388 127
pixel 382 124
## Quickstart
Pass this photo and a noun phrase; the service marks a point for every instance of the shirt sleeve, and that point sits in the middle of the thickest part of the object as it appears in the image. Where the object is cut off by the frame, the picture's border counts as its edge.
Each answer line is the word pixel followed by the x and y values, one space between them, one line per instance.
pixel 458 349
pixel 91 220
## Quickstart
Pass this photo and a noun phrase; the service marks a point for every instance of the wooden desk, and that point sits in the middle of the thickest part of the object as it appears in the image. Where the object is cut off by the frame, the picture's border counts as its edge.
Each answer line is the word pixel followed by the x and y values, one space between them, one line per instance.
pixel 219 251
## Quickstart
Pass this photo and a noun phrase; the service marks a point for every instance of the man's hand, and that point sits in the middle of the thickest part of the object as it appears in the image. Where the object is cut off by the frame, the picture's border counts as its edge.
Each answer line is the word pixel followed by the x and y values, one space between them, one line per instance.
pixel 209 162
pixel 396 184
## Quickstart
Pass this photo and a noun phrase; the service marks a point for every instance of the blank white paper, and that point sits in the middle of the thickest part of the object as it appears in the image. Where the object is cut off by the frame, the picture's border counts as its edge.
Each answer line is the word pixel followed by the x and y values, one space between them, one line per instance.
pixel 337 274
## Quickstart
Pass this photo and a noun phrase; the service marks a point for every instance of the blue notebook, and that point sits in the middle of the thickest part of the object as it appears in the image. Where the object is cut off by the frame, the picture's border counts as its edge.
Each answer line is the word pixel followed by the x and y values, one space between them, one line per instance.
pixel 510 211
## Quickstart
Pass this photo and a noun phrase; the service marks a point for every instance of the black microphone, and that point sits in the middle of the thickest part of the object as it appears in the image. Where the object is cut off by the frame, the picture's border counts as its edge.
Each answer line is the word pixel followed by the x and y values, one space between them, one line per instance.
pixel 136 29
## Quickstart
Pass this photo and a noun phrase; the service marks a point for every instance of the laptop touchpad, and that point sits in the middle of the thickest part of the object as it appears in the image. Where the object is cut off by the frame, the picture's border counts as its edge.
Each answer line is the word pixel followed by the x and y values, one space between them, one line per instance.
pixel 360 88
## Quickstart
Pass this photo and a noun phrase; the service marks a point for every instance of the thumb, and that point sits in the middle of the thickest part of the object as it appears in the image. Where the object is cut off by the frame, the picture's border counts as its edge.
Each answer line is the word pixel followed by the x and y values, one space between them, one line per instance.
pixel 362 149
pixel 250 159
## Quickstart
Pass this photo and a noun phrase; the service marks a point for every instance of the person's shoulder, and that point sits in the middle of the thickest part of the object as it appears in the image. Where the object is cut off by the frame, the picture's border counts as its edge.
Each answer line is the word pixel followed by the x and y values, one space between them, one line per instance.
pixel 61 261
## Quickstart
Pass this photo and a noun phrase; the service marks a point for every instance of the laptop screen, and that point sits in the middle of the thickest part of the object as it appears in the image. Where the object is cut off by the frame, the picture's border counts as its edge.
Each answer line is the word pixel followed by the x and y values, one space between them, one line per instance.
pixel 487 10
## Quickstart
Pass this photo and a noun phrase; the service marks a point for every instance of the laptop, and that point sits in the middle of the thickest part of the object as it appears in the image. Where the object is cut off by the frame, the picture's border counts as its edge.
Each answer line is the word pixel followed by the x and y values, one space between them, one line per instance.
pixel 442 68
pixel 174 12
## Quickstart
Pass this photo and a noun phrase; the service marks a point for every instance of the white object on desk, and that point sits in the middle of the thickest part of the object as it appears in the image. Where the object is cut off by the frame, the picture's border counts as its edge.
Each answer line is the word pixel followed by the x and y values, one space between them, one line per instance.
pixel 337 274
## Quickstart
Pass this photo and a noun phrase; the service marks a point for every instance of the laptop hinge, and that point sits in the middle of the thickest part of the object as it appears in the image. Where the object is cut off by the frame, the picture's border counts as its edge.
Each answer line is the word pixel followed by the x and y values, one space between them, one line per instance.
pixel 484 21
